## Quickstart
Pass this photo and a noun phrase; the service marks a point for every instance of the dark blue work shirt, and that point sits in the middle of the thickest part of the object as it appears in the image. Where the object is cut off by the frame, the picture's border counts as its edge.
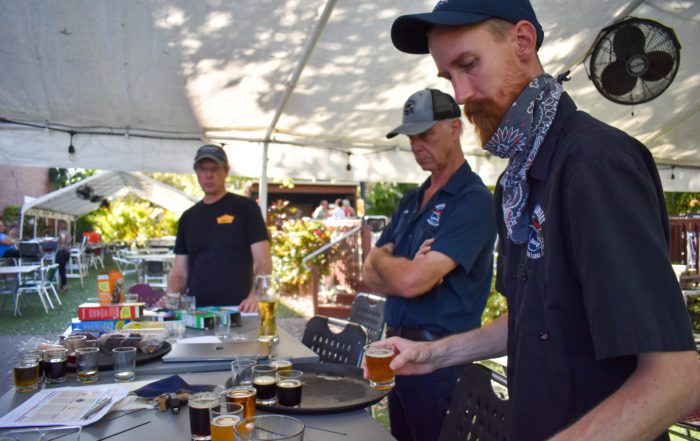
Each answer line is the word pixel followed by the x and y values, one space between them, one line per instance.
pixel 593 287
pixel 460 217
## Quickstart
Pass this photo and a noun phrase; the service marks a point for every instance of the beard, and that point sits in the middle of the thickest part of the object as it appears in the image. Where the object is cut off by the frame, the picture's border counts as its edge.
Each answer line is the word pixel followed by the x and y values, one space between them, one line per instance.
pixel 486 114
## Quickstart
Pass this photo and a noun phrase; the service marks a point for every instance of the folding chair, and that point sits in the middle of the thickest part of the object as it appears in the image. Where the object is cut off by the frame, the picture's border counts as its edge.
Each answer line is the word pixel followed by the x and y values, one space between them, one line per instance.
pixel 50 280
pixel 155 273
pixel 345 347
pixel 368 311
pixel 476 412
pixel 125 265
pixel 77 265
pixel 34 283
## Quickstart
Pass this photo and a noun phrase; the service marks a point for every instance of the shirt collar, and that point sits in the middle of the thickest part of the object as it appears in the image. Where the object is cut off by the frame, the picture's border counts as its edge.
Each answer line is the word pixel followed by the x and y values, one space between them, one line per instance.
pixel 461 177
pixel 540 167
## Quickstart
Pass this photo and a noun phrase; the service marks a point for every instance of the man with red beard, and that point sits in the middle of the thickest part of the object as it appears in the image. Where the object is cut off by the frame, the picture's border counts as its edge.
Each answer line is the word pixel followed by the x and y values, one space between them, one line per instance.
pixel 597 336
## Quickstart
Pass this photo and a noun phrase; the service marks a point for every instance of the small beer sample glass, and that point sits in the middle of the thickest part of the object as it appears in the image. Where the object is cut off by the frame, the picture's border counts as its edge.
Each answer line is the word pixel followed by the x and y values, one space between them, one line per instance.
pixel 26 371
pixel 289 384
pixel 263 427
pixel 86 364
pixel 199 405
pixel 380 375
pixel 125 364
pixel 243 395
pixel 222 420
pixel 242 369
pixel 264 383
pixel 73 342
pixel 267 294
pixel 283 362
pixel 55 365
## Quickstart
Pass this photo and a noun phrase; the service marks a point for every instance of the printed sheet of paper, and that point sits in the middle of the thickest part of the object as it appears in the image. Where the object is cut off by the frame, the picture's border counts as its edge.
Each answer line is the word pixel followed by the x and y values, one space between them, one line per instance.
pixel 75 406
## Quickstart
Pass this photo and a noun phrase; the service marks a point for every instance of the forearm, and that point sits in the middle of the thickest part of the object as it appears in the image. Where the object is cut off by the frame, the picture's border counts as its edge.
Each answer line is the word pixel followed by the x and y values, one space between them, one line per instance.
pixel 664 388
pixel 177 282
pixel 372 278
pixel 486 342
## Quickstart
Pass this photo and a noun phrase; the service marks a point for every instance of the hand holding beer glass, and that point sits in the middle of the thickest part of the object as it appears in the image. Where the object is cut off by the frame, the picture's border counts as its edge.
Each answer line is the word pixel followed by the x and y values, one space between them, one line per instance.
pixel 267 294
pixel 377 360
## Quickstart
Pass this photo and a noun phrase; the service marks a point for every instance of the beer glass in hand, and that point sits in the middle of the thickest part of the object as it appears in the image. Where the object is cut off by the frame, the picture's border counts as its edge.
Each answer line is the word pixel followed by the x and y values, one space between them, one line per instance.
pixel 267 294
pixel 380 374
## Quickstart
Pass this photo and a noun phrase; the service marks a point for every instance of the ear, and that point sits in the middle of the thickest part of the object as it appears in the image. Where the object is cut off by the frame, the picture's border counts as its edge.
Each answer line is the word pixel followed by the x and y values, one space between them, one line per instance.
pixel 456 127
pixel 525 39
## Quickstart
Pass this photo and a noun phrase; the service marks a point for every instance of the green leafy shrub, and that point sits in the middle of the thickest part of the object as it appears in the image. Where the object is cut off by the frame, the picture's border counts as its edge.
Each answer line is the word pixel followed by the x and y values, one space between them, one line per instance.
pixel 293 240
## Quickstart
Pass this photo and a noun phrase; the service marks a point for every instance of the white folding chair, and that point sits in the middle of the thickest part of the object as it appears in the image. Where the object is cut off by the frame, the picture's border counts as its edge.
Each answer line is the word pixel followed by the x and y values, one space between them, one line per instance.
pixel 34 282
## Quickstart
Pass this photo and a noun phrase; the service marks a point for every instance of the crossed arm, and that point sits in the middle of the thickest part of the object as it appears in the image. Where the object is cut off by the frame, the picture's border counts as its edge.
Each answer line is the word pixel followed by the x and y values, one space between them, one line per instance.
pixel 399 276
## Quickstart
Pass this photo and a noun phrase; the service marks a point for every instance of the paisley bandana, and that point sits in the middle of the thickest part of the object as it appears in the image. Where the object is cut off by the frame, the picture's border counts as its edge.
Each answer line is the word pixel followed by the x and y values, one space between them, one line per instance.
pixel 519 138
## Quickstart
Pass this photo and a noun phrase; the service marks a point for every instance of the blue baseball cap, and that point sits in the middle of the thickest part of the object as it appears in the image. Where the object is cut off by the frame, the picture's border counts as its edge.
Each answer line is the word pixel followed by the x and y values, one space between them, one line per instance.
pixel 409 32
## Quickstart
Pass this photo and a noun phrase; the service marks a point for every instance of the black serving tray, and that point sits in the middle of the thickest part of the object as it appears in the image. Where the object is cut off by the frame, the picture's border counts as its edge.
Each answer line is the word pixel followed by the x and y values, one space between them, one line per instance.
pixel 329 388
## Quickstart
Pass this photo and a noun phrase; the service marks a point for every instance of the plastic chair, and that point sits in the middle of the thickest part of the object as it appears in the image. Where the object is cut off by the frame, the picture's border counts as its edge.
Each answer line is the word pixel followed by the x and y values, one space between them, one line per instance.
pixel 77 265
pixel 368 311
pixel 476 412
pixel 345 347
pixel 36 282
pixel 30 253
pixel 155 273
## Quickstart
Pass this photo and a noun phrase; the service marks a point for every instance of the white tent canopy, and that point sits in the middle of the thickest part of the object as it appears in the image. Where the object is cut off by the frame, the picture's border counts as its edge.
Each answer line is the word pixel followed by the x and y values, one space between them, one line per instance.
pixel 315 83
pixel 65 203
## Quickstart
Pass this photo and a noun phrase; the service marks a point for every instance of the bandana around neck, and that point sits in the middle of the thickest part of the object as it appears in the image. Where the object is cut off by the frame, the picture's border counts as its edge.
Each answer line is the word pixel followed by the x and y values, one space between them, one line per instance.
pixel 519 137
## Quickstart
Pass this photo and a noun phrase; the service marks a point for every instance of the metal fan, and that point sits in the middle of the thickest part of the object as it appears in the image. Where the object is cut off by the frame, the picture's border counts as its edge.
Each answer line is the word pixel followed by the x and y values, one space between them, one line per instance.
pixel 84 192
pixel 633 61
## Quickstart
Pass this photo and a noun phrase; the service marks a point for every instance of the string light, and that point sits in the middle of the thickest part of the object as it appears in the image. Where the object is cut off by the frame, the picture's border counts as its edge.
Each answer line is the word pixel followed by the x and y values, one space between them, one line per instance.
pixel 71 149
pixel 348 167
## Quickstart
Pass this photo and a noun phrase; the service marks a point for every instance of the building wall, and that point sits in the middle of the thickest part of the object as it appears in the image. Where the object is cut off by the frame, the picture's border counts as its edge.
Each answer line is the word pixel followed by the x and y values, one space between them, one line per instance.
pixel 17 182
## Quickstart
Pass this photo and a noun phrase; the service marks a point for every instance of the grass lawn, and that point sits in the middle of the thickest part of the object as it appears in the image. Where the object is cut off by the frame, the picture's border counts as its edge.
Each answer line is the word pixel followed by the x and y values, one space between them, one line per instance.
pixel 34 321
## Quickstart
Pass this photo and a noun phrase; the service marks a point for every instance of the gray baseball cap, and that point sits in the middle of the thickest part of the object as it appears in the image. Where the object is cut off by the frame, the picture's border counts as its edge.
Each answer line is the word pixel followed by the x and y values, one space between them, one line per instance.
pixel 210 151
pixel 423 110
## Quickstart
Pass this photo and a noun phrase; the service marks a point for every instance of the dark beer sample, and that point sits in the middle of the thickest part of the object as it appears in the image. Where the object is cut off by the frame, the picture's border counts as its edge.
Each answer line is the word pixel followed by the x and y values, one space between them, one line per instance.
pixel 289 392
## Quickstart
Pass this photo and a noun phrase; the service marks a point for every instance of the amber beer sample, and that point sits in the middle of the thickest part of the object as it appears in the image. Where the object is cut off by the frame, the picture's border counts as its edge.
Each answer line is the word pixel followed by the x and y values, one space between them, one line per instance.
pixel 223 419
pixel 282 362
pixel 26 374
pixel 380 375
pixel 245 396
pixel 199 405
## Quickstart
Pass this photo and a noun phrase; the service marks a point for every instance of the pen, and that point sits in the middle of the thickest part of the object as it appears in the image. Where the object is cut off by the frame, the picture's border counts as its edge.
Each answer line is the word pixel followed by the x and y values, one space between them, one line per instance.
pixel 96 408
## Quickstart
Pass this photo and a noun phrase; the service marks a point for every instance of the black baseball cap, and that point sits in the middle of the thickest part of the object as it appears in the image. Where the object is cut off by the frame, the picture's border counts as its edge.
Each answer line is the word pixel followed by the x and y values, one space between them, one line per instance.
pixel 210 151
pixel 409 32
pixel 423 110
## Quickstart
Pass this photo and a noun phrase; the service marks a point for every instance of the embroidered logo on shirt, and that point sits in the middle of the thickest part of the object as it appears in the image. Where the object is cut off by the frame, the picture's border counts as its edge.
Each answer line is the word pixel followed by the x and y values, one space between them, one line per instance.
pixel 535 243
pixel 225 219
pixel 434 218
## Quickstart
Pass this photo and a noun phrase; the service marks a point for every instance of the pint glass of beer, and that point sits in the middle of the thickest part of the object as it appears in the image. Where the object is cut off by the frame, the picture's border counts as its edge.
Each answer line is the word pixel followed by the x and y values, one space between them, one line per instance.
pixel 380 375
pixel 267 293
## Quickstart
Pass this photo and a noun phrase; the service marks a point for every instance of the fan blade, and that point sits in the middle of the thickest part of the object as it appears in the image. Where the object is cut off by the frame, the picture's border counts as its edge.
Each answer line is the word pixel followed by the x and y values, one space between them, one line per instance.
pixel 660 65
pixel 628 40
pixel 615 79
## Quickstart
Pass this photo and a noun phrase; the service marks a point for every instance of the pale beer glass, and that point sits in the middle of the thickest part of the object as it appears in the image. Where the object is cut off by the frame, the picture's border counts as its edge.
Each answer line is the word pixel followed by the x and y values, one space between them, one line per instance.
pixel 267 294
pixel 380 375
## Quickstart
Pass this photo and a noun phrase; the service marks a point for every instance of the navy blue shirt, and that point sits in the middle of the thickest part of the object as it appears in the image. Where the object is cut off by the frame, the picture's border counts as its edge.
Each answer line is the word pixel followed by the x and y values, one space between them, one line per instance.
pixel 460 217
pixel 593 287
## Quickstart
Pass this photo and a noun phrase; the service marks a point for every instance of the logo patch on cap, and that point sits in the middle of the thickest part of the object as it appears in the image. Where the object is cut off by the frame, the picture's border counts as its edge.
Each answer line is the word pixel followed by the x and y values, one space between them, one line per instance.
pixel 535 243
pixel 409 107
pixel 439 4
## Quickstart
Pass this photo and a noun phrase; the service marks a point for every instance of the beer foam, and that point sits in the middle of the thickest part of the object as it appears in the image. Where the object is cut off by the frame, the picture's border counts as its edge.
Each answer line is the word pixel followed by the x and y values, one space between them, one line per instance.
pixel 264 380
pixel 289 383
pixel 225 420
pixel 379 353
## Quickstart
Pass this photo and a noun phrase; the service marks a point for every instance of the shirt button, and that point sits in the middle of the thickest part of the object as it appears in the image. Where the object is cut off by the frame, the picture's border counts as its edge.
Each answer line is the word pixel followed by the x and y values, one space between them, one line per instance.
pixel 544 335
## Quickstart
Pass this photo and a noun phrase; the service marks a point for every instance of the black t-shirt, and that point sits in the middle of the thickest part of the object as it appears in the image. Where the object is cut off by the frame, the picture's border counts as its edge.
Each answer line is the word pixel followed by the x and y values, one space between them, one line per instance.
pixel 593 287
pixel 216 239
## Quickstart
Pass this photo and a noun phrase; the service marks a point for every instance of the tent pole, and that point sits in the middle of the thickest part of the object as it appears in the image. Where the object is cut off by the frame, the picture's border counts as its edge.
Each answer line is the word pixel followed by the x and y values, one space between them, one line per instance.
pixel 291 84
pixel 21 225
pixel 262 190
pixel 36 221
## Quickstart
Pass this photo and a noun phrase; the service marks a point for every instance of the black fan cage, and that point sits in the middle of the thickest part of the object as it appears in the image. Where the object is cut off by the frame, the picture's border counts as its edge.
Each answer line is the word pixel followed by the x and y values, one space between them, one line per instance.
pixel 657 38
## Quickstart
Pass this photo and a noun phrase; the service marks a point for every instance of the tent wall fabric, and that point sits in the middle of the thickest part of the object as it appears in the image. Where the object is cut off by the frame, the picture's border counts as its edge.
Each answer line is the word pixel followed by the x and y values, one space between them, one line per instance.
pixel 145 83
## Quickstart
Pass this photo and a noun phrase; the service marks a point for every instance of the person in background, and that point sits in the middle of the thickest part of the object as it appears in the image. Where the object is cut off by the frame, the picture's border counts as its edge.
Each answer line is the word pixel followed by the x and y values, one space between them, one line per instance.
pixel 347 209
pixel 597 333
pixel 338 212
pixel 322 211
pixel 7 245
pixel 222 241
pixel 65 242
pixel 434 261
